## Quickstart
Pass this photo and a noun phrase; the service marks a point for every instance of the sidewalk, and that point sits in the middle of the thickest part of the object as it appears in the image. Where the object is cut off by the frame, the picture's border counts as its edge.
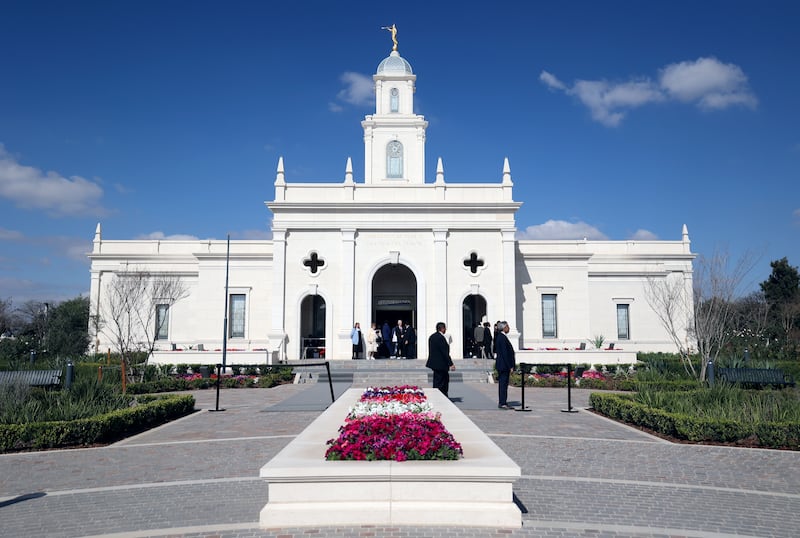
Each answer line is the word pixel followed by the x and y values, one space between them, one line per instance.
pixel 582 475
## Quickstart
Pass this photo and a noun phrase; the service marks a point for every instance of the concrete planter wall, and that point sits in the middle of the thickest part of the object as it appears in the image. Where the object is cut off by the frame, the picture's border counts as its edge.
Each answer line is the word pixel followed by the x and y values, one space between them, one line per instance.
pixel 307 490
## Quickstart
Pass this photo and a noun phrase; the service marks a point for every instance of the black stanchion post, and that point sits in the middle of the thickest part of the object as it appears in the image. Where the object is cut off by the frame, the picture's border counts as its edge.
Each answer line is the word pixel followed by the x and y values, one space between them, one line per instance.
pixel 524 369
pixel 70 375
pixel 219 376
pixel 330 381
pixel 569 408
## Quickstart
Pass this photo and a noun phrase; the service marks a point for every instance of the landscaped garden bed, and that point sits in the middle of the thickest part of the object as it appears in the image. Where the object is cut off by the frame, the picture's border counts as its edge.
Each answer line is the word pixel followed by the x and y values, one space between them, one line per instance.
pixel 722 415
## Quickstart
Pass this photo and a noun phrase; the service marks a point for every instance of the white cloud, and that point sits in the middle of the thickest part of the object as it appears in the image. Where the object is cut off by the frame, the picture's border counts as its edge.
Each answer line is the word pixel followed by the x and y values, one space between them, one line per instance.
pixel 60 246
pixel 161 236
pixel 643 235
pixel 359 89
pixel 10 235
pixel 550 80
pixel 31 188
pixel 561 229
pixel 257 234
pixel 335 107
pixel 76 249
pixel 706 82
pixel 608 102
pixel 796 213
pixel 22 290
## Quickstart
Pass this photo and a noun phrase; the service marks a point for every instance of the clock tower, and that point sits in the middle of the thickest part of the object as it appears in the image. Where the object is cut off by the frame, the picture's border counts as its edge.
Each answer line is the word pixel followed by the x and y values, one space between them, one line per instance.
pixel 394 137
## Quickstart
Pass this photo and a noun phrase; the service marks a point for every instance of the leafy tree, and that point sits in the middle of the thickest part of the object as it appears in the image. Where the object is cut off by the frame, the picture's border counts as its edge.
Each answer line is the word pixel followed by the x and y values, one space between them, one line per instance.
pixel 782 293
pixel 14 352
pixel 67 328
pixel 783 285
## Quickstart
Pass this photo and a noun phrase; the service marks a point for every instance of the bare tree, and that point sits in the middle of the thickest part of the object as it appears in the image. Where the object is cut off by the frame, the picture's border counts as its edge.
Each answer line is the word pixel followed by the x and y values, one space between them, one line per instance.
pixel 752 316
pixel 709 314
pixel 128 312
pixel 671 301
pixel 6 318
pixel 789 314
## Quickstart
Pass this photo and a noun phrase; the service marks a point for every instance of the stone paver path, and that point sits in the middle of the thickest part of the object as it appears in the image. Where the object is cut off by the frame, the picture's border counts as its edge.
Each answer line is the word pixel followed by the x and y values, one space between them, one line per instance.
pixel 583 475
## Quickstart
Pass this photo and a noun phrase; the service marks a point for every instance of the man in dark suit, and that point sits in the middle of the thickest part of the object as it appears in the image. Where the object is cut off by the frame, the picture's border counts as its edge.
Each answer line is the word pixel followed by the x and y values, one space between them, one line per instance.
pixel 439 358
pixel 504 363
pixel 410 342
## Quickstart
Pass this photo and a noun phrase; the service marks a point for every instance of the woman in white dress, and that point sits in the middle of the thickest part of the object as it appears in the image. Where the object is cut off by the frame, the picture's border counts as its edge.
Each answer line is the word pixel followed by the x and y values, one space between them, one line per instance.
pixel 372 342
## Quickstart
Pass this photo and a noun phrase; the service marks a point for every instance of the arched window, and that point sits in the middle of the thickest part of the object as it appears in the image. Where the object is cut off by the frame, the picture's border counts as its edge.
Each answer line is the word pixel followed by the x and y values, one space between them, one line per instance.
pixel 394 100
pixel 394 159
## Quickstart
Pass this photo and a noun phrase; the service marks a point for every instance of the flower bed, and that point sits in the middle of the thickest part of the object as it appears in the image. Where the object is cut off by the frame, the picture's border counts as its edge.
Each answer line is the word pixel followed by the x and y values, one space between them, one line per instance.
pixel 393 423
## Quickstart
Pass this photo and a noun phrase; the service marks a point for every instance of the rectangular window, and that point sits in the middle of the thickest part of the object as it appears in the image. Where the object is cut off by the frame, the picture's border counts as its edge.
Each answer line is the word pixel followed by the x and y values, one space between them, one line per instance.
pixel 162 322
pixel 549 326
pixel 623 322
pixel 237 310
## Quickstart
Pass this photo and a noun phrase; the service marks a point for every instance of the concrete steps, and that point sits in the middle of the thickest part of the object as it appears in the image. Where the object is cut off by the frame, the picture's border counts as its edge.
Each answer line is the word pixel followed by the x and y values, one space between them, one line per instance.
pixel 363 373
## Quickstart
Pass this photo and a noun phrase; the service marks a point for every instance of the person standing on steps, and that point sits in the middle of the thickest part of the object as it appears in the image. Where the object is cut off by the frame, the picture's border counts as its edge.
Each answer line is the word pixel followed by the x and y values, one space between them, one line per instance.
pixel 386 335
pixel 487 341
pixel 504 363
pixel 439 359
pixel 397 340
pixel 372 342
pixel 357 340
pixel 410 342
pixel 477 337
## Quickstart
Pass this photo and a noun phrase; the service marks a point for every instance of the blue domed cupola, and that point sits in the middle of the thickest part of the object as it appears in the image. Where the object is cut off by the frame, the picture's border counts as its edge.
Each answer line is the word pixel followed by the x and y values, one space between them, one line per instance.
pixel 394 137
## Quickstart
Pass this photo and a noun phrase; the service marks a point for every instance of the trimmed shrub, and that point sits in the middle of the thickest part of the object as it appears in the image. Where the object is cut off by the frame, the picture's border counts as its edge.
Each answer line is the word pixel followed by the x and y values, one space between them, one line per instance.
pixel 625 408
pixel 104 428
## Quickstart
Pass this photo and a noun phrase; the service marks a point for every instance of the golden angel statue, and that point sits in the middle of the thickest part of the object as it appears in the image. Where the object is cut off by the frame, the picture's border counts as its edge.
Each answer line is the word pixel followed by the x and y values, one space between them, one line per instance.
pixel 393 30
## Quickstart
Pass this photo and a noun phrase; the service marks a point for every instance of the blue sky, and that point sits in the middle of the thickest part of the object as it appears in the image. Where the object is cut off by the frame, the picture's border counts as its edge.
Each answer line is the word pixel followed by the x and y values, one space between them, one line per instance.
pixel 620 119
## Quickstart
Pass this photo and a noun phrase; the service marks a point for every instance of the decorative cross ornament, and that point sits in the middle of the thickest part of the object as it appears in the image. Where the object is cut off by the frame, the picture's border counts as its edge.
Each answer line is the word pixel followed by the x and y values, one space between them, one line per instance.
pixel 473 263
pixel 314 262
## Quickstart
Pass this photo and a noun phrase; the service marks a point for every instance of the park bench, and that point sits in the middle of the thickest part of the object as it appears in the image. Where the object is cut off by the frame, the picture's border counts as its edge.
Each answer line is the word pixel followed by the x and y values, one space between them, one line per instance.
pixel 756 377
pixel 34 378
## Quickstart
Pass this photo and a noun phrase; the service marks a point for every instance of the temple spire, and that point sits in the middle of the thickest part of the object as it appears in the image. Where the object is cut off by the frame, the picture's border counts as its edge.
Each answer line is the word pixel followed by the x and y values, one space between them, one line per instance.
pixel 348 172
pixel 506 172
pixel 279 177
pixel 439 172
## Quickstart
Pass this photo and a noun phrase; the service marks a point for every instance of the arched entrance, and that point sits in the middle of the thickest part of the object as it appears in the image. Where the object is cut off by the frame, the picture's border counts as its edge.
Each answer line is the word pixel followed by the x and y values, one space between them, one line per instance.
pixel 394 296
pixel 473 310
pixel 312 327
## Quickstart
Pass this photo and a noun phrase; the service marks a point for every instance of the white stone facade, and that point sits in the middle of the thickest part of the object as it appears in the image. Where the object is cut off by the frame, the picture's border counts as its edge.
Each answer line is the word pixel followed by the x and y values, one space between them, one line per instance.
pixel 395 246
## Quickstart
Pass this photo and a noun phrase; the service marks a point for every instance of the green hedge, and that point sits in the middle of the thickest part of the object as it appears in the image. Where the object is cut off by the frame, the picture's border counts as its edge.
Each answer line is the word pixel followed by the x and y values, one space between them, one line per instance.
pixel 173 384
pixel 622 407
pixel 89 431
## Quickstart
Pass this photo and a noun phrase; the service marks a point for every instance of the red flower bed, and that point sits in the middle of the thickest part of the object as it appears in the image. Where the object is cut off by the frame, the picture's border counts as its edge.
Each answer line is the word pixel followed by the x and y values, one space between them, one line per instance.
pixel 399 437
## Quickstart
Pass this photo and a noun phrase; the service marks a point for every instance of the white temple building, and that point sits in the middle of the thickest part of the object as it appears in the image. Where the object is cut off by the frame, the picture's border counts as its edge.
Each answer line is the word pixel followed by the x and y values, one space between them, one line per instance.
pixel 394 245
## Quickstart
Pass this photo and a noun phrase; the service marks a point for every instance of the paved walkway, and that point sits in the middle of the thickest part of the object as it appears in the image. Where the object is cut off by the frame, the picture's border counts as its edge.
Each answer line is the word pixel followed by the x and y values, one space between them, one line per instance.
pixel 582 475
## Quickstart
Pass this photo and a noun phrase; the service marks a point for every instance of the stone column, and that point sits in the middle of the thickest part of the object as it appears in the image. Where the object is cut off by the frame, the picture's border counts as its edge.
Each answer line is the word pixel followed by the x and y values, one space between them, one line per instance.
pixel 277 334
pixel 439 291
pixel 510 284
pixel 348 292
